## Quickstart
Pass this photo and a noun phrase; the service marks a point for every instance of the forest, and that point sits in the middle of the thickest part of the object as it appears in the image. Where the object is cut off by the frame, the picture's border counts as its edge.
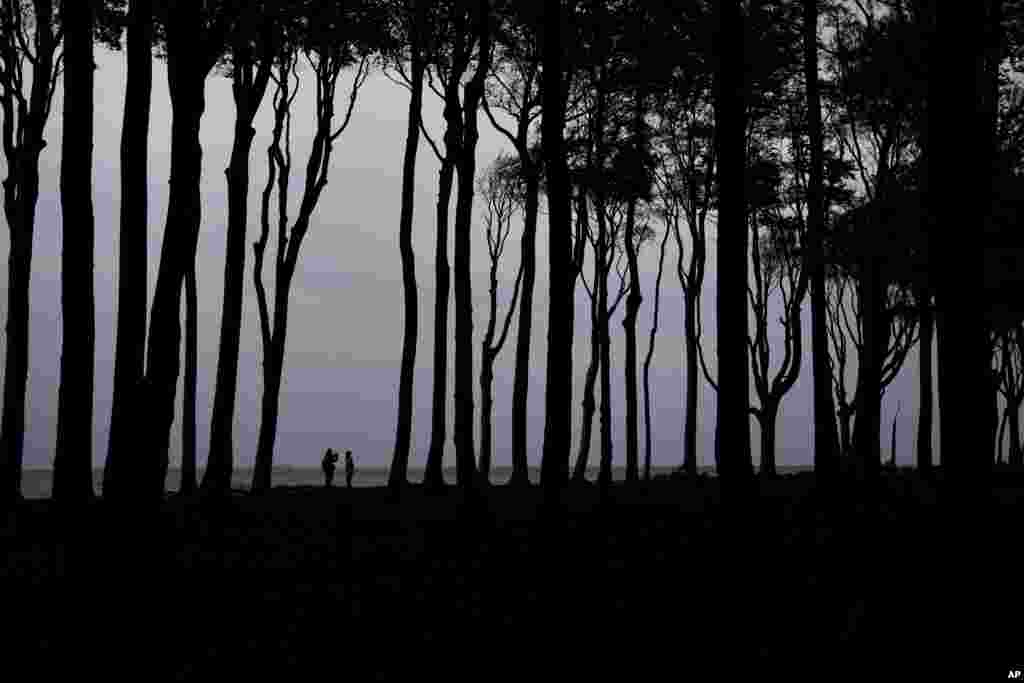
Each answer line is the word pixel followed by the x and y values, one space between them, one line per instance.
pixel 857 165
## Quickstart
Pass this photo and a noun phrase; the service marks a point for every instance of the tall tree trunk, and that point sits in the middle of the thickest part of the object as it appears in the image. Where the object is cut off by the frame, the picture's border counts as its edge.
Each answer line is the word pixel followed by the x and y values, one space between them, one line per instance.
pixel 633 300
pixel 399 473
pixel 692 384
pixel 604 474
pixel 579 473
pixel 273 374
pixel 769 424
pixel 248 89
pixel 130 353
pixel 188 413
pixel 732 430
pixel 826 455
pixel 486 415
pixel 867 429
pixel 433 475
pixel 72 467
pixel 521 374
pixel 558 388
pixel 186 75
pixel 925 392
pixel 465 460
pixel 650 358
pixel 961 89
pixel 21 192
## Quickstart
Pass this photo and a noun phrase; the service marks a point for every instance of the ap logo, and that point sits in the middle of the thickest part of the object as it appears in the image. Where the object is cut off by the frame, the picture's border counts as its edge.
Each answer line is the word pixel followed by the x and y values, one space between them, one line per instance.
pixel 1015 675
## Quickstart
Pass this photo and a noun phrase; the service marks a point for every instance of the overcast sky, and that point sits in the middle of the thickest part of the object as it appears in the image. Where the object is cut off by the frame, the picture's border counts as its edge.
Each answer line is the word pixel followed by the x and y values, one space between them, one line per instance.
pixel 344 340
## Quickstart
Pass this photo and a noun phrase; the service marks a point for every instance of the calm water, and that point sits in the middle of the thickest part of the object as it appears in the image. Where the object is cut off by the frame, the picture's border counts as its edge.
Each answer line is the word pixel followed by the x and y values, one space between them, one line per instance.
pixel 37 483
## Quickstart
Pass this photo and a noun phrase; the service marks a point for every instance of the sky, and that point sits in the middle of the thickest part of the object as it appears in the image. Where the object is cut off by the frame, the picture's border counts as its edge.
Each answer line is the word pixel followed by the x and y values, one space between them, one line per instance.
pixel 345 327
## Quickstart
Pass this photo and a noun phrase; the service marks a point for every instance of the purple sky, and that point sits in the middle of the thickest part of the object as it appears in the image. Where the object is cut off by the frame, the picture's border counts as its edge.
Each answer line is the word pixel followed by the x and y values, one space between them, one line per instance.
pixel 344 342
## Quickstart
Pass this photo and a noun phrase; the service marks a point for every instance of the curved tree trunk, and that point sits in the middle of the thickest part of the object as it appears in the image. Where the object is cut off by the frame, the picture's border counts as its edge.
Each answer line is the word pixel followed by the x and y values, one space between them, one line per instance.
pixel 579 473
pixel 129 356
pixel 399 473
pixel 769 423
pixel 633 300
pixel 521 378
pixel 188 416
pixel 650 358
pixel 72 467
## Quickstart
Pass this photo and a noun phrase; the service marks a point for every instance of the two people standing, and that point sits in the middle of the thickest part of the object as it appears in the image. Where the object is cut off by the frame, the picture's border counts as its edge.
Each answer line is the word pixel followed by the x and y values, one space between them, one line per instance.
pixel 329 463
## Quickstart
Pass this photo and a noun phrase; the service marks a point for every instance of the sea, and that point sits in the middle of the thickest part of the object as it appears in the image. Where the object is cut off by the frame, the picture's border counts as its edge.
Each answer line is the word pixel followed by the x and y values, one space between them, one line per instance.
pixel 38 483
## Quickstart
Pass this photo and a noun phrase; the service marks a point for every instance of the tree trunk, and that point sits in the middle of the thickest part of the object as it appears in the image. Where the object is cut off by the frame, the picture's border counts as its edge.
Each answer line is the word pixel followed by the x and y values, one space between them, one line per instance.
pixel 399 473
pixel 273 369
pixel 486 414
pixel 129 356
pixel 692 385
pixel 925 422
pixel 248 90
pixel 650 358
pixel 72 467
pixel 732 430
pixel 769 423
pixel 845 415
pixel 604 475
pixel 521 378
pixel 433 476
pixel 867 430
pixel 186 75
pixel 825 439
pixel 633 300
pixel 188 417
pixel 558 389
pixel 21 192
pixel 579 474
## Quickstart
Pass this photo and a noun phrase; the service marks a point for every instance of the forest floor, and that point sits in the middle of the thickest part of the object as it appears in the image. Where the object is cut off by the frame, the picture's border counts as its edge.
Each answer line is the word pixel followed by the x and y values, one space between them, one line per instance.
pixel 793 581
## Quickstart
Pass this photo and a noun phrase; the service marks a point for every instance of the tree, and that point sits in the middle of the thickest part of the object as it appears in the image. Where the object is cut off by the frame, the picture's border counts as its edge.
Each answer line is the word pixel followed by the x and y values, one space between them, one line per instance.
pixel 129 355
pixel 499 189
pixel 514 80
pixel 188 413
pixel 732 429
pixel 28 38
pixel 72 467
pixel 414 21
pixel 194 43
pixel 337 42
pixel 650 357
pixel 252 50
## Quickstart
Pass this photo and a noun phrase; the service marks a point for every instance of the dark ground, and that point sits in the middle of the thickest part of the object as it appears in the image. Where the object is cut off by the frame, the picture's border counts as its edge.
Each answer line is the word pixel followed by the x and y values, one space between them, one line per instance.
pixel 663 582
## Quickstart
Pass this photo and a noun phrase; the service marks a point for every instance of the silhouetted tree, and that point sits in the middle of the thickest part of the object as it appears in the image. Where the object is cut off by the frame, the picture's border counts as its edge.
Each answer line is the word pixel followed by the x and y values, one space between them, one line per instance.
pixel 194 43
pixel 1012 389
pixel 188 413
pixel 336 41
pixel 72 467
pixel 732 429
pixel 415 15
pixel 514 89
pixel 648 359
pixel 29 44
pixel 499 188
pixel 251 52
pixel 558 381
pixel 121 470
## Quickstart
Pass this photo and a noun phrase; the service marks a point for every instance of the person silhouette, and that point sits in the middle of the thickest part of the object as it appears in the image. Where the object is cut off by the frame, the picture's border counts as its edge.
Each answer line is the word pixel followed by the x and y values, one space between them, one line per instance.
pixel 328 466
pixel 350 469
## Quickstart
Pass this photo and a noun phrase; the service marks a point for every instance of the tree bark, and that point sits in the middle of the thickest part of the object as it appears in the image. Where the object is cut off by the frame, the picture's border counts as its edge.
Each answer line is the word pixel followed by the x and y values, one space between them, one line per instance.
pixel 248 89
pixel 22 146
pixel 690 454
pixel 732 429
pixel 521 374
pixel 186 75
pixel 72 467
pixel 650 357
pixel 398 476
pixel 579 473
pixel 633 301
pixel 826 455
pixel 188 418
pixel 769 424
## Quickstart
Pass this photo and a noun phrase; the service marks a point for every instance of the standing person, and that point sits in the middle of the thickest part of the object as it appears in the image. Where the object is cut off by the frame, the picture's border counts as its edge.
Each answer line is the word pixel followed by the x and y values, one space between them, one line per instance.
pixel 350 469
pixel 328 466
